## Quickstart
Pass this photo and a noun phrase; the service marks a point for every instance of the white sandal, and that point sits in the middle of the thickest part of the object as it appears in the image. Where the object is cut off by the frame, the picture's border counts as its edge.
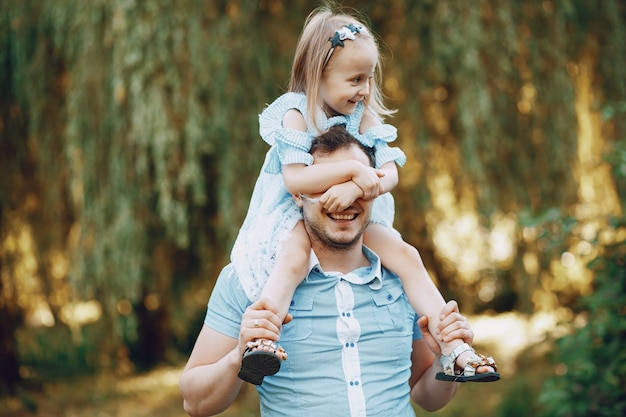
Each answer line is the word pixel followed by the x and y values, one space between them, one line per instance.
pixel 468 373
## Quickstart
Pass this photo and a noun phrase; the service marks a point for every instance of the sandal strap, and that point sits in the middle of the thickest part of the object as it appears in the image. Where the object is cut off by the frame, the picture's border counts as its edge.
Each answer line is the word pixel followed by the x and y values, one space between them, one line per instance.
pixel 449 361
pixel 481 360
pixel 261 342
pixel 477 360
pixel 278 350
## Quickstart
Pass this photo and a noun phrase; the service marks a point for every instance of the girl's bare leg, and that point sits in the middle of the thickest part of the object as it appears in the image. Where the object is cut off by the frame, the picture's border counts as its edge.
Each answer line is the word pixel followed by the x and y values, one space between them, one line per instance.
pixel 405 261
pixel 263 356
pixel 290 269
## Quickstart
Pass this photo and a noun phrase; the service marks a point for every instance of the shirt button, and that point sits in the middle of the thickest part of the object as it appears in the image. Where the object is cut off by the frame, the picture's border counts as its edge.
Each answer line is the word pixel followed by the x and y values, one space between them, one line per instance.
pixel 389 297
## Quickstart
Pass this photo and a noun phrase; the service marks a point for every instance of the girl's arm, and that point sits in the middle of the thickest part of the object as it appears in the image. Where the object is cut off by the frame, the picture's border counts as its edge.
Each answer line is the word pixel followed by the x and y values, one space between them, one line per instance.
pixel 300 178
pixel 390 180
pixel 310 179
pixel 340 196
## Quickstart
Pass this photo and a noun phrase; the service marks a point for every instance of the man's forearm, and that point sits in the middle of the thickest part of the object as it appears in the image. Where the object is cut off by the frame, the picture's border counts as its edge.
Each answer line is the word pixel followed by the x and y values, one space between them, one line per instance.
pixel 210 389
pixel 432 394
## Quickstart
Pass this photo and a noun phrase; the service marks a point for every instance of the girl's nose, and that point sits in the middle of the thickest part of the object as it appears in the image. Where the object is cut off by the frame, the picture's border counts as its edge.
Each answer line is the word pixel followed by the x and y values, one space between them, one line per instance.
pixel 365 89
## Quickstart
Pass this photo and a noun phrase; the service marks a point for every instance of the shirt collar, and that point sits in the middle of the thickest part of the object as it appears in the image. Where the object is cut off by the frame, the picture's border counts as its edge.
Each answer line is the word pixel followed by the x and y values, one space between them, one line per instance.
pixel 370 275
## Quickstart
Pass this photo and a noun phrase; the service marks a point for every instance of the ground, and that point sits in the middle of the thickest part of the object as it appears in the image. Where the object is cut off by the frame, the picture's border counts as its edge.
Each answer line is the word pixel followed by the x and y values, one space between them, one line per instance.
pixel 519 351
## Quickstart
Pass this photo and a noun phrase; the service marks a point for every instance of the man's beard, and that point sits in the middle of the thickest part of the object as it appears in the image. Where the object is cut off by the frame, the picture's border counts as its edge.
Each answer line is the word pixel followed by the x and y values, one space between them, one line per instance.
pixel 328 242
pixel 318 234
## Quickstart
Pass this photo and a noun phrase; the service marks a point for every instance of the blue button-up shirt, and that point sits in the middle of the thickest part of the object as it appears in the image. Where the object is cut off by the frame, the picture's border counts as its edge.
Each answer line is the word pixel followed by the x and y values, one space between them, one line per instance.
pixel 348 346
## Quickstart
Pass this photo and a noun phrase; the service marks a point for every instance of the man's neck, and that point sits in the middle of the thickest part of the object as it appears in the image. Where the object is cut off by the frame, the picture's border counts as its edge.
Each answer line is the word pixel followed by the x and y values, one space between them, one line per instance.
pixel 341 260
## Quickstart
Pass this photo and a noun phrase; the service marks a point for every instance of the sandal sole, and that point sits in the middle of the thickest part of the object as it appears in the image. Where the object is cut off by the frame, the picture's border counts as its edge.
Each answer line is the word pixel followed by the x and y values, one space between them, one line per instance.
pixel 257 364
pixel 486 377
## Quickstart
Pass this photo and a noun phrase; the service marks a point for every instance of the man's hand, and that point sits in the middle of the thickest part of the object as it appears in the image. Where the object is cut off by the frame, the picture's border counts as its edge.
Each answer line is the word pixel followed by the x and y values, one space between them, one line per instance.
pixel 260 321
pixel 452 326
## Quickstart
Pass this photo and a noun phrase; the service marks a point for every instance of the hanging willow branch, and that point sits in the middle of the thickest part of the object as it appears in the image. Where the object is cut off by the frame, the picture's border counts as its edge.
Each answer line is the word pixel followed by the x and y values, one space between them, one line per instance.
pixel 137 123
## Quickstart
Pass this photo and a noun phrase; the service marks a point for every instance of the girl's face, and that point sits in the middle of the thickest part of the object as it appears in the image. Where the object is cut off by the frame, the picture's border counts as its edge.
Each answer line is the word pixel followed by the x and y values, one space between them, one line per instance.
pixel 347 78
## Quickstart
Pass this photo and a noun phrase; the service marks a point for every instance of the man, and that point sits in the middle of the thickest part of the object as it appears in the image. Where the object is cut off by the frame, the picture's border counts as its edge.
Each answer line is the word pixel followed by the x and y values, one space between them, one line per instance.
pixel 354 349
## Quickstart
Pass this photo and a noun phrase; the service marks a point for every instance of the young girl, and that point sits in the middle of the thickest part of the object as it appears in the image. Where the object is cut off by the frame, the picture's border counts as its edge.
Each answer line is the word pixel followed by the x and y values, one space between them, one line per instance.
pixel 333 82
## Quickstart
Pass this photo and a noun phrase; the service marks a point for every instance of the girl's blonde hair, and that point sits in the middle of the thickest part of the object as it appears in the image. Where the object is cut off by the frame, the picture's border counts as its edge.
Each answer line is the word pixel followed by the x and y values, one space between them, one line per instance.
pixel 311 53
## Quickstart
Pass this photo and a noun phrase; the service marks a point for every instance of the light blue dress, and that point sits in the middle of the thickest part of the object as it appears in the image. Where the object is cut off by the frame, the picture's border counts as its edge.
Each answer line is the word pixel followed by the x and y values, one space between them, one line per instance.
pixel 272 213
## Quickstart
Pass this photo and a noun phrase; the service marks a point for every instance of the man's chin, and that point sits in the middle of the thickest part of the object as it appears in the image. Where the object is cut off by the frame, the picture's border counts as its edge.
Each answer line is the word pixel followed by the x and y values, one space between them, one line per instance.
pixel 343 243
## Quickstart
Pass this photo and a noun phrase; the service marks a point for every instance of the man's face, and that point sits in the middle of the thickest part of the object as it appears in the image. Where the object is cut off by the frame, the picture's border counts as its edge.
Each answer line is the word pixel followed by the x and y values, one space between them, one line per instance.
pixel 337 230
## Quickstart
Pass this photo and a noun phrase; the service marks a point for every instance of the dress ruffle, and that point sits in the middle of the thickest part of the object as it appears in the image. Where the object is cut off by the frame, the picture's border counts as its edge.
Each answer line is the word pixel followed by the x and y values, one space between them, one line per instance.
pixel 272 213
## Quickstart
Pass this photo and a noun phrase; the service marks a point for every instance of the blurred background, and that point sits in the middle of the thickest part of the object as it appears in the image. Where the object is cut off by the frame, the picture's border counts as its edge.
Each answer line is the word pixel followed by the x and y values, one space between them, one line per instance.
pixel 129 147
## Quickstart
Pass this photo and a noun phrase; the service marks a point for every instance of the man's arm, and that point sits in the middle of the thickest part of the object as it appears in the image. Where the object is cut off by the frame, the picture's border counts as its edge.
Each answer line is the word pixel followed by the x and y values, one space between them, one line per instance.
pixel 426 391
pixel 209 383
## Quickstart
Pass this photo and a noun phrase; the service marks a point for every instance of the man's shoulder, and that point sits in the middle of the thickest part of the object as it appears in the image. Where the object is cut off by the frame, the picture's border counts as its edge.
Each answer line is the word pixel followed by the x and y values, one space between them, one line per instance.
pixel 228 288
pixel 227 303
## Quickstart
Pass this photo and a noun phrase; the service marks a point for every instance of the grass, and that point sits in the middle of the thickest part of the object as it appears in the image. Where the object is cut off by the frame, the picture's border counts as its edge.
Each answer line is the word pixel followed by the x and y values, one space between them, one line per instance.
pixel 156 394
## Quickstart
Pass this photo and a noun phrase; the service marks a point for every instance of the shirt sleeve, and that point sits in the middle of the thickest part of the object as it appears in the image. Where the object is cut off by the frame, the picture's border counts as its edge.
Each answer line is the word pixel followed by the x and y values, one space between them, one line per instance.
pixel 293 147
pixel 227 304
pixel 289 146
pixel 380 137
pixel 417 333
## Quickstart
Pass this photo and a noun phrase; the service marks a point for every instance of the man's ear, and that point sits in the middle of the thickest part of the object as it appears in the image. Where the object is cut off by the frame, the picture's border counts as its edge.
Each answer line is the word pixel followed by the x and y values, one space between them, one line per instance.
pixel 297 199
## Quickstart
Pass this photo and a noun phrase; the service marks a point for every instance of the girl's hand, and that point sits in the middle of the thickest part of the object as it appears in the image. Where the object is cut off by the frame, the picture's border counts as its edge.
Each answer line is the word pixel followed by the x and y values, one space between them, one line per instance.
pixel 340 196
pixel 368 180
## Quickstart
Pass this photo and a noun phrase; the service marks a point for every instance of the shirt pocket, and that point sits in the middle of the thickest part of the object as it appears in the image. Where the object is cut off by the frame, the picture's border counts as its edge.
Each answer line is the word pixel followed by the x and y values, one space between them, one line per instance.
pixel 391 311
pixel 300 327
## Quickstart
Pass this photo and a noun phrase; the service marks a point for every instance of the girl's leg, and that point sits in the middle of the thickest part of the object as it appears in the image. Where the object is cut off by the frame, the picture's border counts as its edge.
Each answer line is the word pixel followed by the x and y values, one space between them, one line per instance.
pixel 405 261
pixel 262 358
pixel 290 269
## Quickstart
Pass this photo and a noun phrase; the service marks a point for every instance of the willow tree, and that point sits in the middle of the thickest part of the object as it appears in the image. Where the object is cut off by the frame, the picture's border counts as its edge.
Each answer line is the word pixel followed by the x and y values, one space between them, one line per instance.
pixel 497 105
pixel 128 153
pixel 130 148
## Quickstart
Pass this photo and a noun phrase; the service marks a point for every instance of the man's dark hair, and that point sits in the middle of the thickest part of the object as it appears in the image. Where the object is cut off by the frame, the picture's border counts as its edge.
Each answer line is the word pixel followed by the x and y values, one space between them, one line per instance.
pixel 337 137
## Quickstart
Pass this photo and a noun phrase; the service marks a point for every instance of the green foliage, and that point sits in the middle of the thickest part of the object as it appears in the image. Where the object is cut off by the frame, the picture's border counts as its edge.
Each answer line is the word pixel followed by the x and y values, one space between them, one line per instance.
pixel 592 359
pixel 615 113
pixel 56 352
pixel 130 134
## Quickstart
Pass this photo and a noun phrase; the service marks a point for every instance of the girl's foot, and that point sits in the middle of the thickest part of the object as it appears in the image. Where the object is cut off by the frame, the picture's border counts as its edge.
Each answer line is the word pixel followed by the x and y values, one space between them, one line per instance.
pixel 463 364
pixel 261 358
